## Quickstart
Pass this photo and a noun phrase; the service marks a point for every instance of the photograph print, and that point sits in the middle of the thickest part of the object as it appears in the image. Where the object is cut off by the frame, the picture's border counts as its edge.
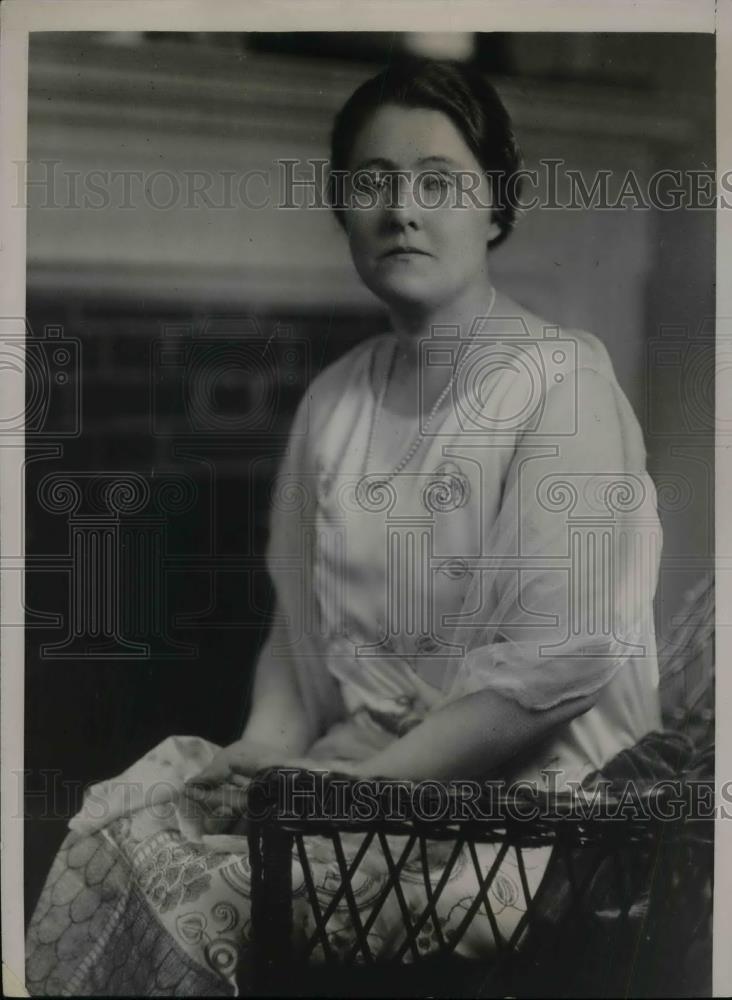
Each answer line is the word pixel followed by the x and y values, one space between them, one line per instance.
pixel 368 496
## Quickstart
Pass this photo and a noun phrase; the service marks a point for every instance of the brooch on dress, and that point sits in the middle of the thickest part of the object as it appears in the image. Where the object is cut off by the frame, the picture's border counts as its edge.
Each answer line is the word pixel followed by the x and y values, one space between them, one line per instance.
pixel 449 491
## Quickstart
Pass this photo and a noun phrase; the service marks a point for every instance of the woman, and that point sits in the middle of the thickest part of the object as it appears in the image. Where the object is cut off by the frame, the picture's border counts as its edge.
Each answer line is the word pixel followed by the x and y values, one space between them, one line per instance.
pixel 464 545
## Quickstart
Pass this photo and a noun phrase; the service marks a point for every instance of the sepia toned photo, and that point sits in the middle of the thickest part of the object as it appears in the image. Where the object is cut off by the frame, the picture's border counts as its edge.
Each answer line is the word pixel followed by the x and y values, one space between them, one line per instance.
pixel 367 465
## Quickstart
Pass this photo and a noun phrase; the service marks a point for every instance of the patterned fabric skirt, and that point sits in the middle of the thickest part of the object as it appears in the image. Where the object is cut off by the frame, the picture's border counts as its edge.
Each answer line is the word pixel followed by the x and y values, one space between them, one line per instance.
pixel 139 901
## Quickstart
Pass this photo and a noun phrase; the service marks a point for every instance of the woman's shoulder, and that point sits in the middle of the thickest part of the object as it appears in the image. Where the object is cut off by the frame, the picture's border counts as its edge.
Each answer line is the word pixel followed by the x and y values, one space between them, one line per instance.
pixel 590 408
pixel 355 360
pixel 576 347
pixel 347 371
pixel 590 352
pixel 569 376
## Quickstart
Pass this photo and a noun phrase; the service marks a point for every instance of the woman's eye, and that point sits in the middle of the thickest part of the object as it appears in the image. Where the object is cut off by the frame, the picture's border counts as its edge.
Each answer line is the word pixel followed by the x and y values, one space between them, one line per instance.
pixel 378 180
pixel 435 182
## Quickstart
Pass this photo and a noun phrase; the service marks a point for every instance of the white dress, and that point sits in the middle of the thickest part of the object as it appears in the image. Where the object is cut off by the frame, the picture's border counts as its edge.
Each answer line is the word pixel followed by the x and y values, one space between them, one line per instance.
pixel 518 551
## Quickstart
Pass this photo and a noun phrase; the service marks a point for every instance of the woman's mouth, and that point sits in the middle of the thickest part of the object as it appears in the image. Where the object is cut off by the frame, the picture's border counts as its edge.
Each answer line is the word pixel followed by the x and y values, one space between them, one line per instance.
pixel 404 252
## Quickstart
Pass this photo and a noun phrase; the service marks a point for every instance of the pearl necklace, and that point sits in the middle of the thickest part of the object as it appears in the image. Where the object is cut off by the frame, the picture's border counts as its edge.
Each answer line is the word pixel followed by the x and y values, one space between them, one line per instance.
pixel 430 417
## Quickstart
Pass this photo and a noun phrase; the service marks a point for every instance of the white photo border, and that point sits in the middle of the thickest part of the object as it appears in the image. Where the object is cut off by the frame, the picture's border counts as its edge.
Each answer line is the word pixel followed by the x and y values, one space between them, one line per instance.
pixel 20 17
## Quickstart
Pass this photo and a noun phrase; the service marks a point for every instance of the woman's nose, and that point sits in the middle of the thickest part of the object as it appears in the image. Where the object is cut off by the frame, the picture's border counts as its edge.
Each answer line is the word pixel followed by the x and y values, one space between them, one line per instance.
pixel 400 206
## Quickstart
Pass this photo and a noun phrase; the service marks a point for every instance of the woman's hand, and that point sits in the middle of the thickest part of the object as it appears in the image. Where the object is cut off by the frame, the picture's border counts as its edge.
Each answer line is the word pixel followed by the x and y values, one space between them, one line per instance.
pixel 244 757
pixel 221 787
pixel 223 782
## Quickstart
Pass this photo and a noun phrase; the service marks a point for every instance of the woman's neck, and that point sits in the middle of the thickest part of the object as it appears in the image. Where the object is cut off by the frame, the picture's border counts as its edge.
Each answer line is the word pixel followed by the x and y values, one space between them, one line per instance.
pixel 413 325
pixel 413 386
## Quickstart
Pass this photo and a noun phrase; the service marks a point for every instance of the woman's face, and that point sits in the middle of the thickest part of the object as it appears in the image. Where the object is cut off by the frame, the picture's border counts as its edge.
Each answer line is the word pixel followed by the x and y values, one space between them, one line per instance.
pixel 445 247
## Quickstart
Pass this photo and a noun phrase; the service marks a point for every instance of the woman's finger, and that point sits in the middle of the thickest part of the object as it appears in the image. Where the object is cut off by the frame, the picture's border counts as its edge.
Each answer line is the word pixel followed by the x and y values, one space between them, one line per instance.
pixel 225 765
pixel 228 798
pixel 241 780
pixel 213 774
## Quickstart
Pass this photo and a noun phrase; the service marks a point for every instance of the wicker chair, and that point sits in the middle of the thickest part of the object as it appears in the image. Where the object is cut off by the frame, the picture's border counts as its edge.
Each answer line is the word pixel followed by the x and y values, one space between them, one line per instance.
pixel 624 907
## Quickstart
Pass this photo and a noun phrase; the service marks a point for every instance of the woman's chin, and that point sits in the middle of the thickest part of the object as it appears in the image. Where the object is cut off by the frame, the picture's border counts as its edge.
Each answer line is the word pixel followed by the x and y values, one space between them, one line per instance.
pixel 406 292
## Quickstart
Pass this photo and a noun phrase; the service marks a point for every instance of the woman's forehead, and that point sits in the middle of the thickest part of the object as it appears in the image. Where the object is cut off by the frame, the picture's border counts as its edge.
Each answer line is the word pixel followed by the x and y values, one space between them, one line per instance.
pixel 396 137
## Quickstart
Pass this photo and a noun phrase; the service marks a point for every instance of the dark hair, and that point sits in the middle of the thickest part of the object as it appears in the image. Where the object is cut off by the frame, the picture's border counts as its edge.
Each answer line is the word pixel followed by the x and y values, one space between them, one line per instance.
pixel 465 96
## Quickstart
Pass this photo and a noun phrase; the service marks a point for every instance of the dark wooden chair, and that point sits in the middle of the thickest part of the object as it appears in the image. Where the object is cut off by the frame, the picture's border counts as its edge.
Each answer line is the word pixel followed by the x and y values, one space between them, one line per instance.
pixel 624 907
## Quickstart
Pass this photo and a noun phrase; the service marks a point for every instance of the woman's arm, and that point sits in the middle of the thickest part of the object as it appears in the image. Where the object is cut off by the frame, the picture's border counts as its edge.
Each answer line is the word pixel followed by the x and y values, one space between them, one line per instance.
pixel 278 729
pixel 277 732
pixel 469 738
pixel 277 716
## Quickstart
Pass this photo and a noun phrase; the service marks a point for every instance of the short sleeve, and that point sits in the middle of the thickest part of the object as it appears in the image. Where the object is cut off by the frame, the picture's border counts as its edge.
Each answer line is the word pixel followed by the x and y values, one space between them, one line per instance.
pixel 573 554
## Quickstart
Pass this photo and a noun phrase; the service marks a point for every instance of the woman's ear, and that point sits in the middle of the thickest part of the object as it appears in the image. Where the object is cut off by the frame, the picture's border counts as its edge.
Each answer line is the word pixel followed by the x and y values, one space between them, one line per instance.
pixel 493 230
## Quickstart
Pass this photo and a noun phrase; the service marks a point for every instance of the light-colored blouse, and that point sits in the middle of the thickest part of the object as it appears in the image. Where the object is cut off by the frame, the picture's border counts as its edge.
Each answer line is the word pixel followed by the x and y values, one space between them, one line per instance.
pixel 517 550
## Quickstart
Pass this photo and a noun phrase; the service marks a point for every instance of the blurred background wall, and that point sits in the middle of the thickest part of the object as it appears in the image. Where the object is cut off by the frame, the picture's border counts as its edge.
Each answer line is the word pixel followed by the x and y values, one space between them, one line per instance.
pixel 150 307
